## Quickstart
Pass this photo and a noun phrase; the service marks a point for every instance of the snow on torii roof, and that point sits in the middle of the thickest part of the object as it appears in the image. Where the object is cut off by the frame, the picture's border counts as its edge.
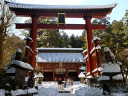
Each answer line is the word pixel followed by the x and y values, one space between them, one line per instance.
pixel 70 10
pixel 72 55
pixel 37 6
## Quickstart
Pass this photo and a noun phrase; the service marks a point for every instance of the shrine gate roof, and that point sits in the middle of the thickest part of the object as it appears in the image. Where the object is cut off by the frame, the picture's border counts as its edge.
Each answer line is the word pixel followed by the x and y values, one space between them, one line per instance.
pixel 70 55
pixel 34 6
pixel 84 9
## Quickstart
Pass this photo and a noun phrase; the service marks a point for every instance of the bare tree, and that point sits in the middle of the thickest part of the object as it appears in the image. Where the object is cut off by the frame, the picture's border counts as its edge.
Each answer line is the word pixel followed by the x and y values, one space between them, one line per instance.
pixel 6 23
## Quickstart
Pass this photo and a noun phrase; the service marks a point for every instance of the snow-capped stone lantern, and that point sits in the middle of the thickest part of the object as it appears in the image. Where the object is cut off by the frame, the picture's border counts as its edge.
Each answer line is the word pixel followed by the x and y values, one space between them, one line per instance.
pixel 82 77
pixel 17 69
pixel 39 78
pixel 83 69
pixel 111 72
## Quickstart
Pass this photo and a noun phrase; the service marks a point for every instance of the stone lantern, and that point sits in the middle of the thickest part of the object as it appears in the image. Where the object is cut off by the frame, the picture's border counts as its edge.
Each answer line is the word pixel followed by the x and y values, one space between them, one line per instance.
pixel 82 77
pixel 39 78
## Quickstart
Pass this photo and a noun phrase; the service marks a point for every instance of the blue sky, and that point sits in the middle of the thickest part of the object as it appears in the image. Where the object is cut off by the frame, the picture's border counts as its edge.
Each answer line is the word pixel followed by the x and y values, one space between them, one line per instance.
pixel 117 13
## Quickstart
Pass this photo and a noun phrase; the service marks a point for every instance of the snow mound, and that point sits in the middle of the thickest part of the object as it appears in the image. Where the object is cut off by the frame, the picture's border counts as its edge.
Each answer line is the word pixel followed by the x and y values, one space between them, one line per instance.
pixel 77 87
pixel 2 92
pixel 88 91
pixel 32 90
pixel 47 92
pixel 118 77
pixel 18 92
pixel 110 67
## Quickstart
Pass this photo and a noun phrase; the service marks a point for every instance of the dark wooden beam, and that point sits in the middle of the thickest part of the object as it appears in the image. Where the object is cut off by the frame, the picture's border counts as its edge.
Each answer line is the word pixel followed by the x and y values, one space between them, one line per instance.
pixel 67 26
pixel 68 15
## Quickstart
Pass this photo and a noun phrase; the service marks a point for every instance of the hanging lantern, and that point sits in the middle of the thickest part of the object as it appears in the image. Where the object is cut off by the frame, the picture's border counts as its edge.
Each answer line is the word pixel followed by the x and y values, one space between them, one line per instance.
pixel 61 18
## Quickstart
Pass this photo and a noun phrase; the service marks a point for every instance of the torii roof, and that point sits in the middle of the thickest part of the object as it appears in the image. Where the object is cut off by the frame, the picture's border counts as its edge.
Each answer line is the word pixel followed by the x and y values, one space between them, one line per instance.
pixel 61 8
pixel 35 6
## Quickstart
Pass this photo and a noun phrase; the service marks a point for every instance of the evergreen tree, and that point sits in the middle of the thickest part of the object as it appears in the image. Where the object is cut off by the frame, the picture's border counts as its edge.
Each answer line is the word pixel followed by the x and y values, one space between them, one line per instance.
pixel 51 38
pixel 76 41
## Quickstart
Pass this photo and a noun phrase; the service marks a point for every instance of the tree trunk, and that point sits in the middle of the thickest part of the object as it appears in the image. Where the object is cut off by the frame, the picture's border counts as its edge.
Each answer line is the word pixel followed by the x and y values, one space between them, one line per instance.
pixel 1 50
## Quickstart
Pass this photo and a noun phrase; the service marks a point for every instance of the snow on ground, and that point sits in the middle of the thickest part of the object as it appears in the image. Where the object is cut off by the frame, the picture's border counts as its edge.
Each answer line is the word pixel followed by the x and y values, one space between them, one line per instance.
pixel 51 89
pixel 88 91
pixel 48 89
pixel 2 92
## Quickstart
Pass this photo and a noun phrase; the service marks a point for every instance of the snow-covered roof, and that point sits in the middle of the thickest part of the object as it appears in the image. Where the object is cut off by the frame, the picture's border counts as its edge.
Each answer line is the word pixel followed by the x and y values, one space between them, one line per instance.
pixel 82 68
pixel 95 38
pixel 19 50
pixel 118 77
pixel 110 68
pixel 60 55
pixel 35 6
pixel 81 75
pixel 10 70
pixel 103 78
pixel 20 64
pixel 62 49
pixel 106 49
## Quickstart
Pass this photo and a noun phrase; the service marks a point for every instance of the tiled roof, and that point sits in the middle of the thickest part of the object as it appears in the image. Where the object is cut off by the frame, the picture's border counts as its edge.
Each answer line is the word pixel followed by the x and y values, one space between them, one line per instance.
pixel 62 49
pixel 60 55
pixel 34 6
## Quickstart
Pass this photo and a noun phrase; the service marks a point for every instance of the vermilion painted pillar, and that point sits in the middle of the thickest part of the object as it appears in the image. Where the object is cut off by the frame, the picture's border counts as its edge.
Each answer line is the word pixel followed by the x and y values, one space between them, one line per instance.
pixel 97 56
pixel 33 35
pixel 90 45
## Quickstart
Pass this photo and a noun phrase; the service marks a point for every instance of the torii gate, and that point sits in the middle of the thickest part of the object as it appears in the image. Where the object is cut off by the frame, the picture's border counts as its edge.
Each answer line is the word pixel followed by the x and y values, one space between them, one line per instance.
pixel 87 12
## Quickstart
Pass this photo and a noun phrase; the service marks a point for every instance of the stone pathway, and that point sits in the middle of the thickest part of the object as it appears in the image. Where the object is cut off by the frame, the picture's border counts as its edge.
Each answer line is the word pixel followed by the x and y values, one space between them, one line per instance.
pixel 65 94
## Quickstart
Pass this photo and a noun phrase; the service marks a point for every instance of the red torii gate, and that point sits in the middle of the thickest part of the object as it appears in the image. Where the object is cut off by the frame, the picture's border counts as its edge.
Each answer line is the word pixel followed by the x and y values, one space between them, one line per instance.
pixel 72 11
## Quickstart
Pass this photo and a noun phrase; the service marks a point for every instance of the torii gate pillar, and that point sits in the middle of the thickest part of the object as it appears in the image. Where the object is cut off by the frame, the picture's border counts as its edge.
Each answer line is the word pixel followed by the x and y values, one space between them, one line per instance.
pixel 90 45
pixel 33 35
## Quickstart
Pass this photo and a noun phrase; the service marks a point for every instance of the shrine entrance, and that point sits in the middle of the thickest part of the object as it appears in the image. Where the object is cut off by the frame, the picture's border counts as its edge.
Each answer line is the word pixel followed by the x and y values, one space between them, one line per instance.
pixel 48 76
pixel 65 11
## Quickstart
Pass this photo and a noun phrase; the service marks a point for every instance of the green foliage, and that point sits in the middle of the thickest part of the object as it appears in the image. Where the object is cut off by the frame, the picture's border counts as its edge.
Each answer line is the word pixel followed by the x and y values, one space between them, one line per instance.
pixel 115 34
pixel 76 41
pixel 51 38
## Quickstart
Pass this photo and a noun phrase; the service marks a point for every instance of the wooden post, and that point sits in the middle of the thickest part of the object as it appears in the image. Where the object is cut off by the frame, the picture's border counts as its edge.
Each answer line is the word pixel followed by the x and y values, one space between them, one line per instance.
pixel 90 45
pixel 33 35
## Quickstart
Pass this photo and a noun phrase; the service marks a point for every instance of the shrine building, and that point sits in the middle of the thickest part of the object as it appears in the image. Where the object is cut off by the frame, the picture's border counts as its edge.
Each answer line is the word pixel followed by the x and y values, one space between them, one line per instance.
pixel 61 63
